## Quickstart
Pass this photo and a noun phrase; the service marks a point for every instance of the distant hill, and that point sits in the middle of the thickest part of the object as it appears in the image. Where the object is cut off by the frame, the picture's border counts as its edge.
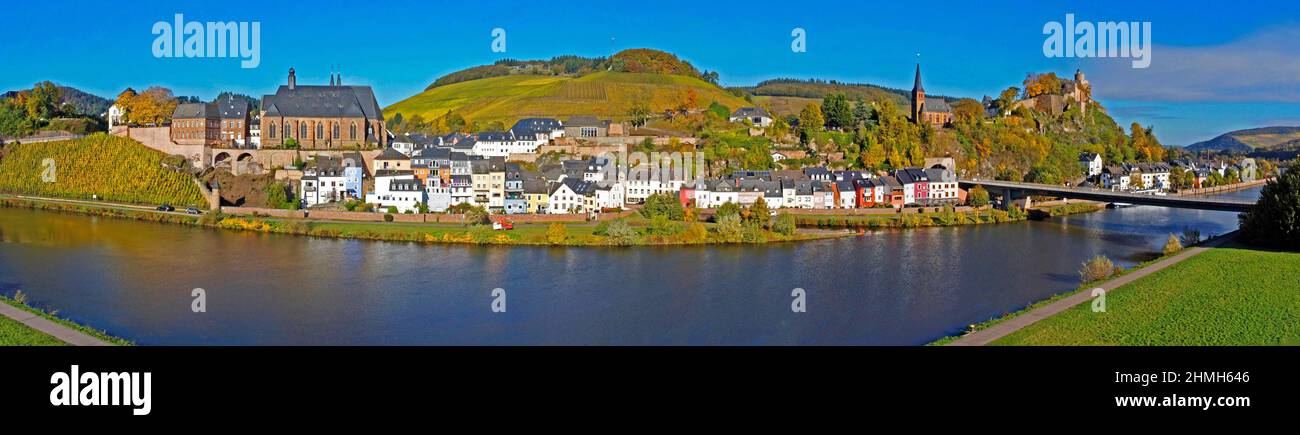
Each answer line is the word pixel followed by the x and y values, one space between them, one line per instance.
pixel 605 93
pixel 1248 140
pixel 86 103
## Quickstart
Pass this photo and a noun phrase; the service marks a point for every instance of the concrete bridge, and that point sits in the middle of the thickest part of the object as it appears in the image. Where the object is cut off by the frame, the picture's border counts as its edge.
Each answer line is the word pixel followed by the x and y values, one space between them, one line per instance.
pixel 1008 188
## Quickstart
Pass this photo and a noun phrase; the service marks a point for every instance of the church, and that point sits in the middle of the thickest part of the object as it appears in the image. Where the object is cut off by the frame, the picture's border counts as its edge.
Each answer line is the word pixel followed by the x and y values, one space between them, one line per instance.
pixel 934 111
pixel 323 117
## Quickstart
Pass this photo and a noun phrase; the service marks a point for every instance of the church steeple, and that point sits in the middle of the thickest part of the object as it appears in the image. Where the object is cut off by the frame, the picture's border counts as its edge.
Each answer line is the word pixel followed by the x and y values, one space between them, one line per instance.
pixel 916 87
pixel 918 97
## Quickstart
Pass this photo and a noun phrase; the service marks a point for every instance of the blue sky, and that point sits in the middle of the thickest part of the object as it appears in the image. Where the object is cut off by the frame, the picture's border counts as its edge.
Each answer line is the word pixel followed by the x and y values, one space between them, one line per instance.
pixel 1215 67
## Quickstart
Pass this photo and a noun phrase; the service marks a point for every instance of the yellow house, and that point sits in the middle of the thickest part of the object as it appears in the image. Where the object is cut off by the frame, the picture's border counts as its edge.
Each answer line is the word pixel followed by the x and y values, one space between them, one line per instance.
pixel 537 195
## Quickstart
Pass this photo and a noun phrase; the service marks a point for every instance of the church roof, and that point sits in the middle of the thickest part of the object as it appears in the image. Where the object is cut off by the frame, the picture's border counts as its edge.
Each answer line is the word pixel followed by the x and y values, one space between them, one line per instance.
pixel 917 85
pixel 323 102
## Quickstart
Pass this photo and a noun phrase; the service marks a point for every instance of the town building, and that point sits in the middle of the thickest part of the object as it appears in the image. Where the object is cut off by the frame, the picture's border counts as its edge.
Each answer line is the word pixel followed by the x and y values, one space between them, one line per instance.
pixel 322 117
pixel 590 127
pixel 1092 165
pixel 756 116
pixel 933 111
pixel 397 190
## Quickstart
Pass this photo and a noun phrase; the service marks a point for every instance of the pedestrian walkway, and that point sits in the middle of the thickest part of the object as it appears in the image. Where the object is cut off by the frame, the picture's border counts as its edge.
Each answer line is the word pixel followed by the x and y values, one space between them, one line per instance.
pixel 49 327
pixel 1002 329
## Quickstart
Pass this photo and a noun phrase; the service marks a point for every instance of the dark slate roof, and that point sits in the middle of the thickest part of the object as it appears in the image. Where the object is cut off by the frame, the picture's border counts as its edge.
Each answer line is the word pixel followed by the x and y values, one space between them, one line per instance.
pixel 231 107
pixel 585 121
pixel 495 136
pixel 190 111
pixel 323 102
pixel 535 185
pixel 536 125
pixel 409 185
pixel 391 154
pixel 916 86
pixel 747 112
pixel 577 186
pixel 936 105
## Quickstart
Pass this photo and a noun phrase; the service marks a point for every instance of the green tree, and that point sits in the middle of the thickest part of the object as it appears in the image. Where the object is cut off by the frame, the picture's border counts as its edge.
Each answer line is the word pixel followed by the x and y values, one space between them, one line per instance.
pixel 977 197
pixel 663 204
pixel 837 112
pixel 759 214
pixel 620 233
pixel 810 122
pixel 730 230
pixel 726 209
pixel 785 224
pixel 1275 219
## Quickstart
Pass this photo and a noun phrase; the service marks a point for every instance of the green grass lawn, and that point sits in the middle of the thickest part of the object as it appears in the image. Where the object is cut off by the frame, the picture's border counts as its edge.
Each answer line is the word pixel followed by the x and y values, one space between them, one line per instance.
pixel 13 333
pixel 1222 297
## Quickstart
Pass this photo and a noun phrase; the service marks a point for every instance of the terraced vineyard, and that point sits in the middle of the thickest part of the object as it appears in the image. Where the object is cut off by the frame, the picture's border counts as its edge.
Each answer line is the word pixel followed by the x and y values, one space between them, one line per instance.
pixel 603 94
pixel 115 168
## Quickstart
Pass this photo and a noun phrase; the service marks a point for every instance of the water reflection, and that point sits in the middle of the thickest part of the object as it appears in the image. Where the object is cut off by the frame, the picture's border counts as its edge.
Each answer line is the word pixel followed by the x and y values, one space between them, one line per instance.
pixel 891 287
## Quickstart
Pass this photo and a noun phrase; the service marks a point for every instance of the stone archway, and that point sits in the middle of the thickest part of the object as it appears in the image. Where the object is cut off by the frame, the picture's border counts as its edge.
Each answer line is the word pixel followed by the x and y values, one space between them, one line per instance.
pixel 221 157
pixel 245 157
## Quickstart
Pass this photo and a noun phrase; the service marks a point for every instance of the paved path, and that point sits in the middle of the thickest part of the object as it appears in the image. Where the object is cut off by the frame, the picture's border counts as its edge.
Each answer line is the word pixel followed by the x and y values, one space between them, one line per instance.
pixel 988 335
pixel 64 333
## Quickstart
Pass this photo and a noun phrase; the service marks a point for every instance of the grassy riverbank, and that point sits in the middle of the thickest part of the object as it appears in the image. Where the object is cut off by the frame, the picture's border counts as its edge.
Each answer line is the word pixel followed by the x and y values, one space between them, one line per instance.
pixel 942 218
pixel 1039 304
pixel 539 234
pixel 14 333
pixel 1223 297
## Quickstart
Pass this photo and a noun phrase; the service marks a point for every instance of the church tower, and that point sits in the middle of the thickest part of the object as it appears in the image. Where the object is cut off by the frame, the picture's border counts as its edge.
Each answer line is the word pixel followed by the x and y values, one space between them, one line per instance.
pixel 918 97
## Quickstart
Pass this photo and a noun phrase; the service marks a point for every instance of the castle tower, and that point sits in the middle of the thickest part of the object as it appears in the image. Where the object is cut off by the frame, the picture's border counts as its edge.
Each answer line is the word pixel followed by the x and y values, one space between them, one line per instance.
pixel 918 97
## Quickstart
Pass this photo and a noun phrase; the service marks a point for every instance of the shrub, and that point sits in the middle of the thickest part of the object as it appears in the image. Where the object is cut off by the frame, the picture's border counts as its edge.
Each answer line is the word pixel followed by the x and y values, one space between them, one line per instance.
pixel 726 209
pixel 759 214
pixel 556 234
pixel 663 204
pixel 1191 236
pixel 476 215
pixel 1173 245
pixel 1275 219
pixel 696 233
pixel 785 224
pixel 730 230
pixel 977 197
pixel 388 217
pixel 661 226
pixel 1096 269
pixel 620 233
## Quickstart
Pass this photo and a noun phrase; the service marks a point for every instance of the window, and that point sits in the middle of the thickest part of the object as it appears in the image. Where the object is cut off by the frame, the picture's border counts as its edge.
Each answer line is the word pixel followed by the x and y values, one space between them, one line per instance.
pixel 336 130
pixel 352 132
pixel 302 130
pixel 320 131
pixel 272 131
pixel 287 132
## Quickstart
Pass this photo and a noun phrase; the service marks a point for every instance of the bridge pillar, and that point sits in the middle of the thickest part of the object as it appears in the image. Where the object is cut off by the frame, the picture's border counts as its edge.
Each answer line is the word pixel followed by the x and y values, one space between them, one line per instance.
pixel 1006 200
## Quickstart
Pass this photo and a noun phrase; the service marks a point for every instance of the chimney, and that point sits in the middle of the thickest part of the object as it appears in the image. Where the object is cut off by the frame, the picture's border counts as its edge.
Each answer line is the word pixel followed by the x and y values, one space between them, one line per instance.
pixel 331 80
pixel 339 81
pixel 293 80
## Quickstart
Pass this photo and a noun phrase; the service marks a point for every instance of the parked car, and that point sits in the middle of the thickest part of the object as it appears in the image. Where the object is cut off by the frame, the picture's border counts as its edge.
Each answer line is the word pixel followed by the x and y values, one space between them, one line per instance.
pixel 166 207
pixel 193 210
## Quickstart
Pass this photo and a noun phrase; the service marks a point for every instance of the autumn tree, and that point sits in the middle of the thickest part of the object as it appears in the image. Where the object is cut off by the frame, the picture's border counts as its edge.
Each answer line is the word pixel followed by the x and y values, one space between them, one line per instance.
pixel 810 121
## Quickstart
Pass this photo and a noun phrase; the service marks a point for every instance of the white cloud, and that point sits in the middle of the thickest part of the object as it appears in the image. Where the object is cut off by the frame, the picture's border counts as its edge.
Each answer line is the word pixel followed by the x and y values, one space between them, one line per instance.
pixel 1262 67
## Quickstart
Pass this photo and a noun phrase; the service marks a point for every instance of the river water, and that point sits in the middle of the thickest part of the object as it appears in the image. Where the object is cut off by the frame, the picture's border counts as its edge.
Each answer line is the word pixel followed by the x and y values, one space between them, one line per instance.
pixel 898 287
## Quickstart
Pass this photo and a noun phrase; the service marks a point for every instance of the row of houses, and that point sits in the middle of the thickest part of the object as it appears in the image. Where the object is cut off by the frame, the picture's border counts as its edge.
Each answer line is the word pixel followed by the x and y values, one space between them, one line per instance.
pixel 1157 176
pixel 818 188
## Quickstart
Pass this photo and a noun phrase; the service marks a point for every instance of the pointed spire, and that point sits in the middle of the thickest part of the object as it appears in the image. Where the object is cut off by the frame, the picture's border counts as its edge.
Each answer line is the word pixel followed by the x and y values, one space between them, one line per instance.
pixel 917 86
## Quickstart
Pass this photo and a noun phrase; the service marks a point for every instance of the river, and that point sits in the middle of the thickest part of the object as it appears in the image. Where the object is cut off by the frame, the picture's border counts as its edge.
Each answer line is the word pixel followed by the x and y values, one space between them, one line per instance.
pixel 898 287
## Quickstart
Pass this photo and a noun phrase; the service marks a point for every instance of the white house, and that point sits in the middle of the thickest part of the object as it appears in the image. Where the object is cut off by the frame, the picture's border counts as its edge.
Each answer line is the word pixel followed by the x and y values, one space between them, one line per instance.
pixel 497 144
pixel 400 190
pixel 755 115
pixel 570 195
pixel 437 195
pixel 1091 163
pixel 323 181
pixel 114 116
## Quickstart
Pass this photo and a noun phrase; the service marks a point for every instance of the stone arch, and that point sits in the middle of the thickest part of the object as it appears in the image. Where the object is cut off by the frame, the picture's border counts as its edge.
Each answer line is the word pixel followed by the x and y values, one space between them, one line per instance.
pixel 221 157
pixel 245 157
